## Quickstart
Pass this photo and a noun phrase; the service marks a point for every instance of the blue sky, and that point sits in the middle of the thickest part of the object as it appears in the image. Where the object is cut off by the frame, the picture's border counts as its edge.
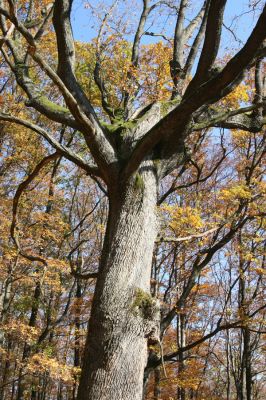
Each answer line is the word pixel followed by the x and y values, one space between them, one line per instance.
pixel 83 22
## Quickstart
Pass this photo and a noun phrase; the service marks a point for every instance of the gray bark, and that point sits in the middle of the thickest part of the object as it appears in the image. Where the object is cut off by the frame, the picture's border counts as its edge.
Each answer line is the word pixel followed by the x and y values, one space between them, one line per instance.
pixel 124 315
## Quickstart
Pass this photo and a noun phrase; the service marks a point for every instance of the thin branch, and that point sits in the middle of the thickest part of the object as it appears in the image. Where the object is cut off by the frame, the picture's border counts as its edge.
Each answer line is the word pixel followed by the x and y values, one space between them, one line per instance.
pixel 98 65
pixel 146 10
pixel 74 271
pixel 186 238
pixel 236 324
pixel 200 265
pixel 66 152
pixel 158 35
pixel 21 188
pixel 76 100
pixel 174 187
pixel 175 126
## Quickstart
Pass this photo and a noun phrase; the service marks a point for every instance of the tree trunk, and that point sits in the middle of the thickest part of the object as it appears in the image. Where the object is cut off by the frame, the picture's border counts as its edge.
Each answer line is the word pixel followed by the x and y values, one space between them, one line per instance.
pixel 77 335
pixel 247 362
pixel 157 389
pixel 181 342
pixel 123 313
pixel 22 382
pixel 228 366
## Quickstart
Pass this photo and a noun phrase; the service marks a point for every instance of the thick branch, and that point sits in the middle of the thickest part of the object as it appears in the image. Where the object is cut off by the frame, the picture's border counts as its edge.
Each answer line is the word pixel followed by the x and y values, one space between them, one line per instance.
pixel 211 43
pixel 236 119
pixel 98 65
pixel 65 41
pixel 174 127
pixel 179 33
pixel 135 48
pixel 66 60
pixel 188 31
pixel 178 52
pixel 95 136
pixel 197 41
pixel 215 87
pixel 66 54
pixel 260 89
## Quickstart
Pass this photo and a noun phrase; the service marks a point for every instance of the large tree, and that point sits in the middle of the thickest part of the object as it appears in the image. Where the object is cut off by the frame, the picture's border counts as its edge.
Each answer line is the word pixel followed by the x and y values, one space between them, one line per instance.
pixel 132 144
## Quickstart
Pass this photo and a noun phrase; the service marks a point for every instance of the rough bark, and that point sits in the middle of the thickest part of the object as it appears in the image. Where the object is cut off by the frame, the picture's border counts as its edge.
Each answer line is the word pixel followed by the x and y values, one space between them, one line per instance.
pixel 123 314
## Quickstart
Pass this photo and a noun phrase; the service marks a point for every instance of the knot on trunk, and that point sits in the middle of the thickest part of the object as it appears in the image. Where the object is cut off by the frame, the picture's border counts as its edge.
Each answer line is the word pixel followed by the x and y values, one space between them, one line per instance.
pixel 144 304
pixel 148 308
pixel 139 183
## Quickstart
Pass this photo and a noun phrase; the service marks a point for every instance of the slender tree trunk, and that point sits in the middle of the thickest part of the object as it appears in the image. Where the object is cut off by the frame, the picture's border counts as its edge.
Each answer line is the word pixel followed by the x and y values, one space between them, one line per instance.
pixel 181 342
pixel 77 335
pixel 247 363
pixel 228 366
pixel 246 381
pixel 5 296
pixel 22 383
pixel 123 312
pixel 5 372
pixel 157 388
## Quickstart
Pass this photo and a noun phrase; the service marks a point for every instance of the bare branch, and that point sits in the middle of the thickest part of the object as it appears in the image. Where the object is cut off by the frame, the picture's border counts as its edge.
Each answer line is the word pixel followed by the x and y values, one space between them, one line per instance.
pixel 158 35
pixel 242 120
pixel 219 328
pixel 65 41
pixel 197 41
pixel 179 42
pixel 186 238
pixel 199 264
pixel 175 126
pixel 155 362
pixel 98 65
pixel 146 10
pixel 188 31
pixel 211 43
